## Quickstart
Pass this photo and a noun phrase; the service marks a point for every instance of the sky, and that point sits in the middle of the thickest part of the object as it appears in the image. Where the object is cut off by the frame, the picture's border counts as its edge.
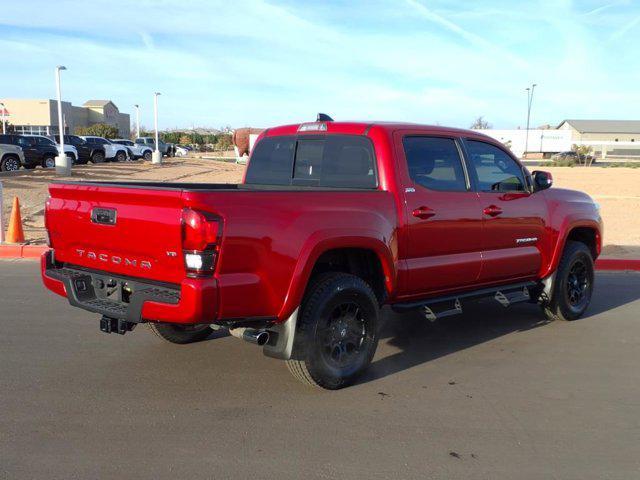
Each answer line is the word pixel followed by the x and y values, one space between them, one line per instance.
pixel 263 63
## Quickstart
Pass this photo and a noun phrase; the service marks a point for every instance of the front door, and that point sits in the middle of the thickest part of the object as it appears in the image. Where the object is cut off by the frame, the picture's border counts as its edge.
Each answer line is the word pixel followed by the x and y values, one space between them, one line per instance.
pixel 444 223
pixel 513 217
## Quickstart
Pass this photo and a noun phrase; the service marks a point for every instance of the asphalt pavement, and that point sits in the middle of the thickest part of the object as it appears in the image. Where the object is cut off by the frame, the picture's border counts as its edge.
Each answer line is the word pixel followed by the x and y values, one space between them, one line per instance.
pixel 494 393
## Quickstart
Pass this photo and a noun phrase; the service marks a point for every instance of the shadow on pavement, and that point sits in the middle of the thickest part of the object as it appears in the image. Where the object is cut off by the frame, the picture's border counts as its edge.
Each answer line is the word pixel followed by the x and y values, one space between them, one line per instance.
pixel 420 340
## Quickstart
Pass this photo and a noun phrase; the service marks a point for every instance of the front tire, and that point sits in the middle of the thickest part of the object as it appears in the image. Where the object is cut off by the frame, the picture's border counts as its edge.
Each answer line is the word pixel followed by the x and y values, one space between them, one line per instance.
pixel 573 286
pixel 147 156
pixel 120 156
pixel 337 333
pixel 180 334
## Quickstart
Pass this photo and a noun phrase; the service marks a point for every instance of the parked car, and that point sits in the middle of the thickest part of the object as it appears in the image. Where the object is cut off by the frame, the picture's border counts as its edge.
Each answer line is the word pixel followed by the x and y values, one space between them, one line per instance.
pixel 181 151
pixel 575 157
pixel 86 152
pixel 11 158
pixel 36 152
pixel 151 143
pixel 333 221
pixel 135 150
pixel 69 150
pixel 113 152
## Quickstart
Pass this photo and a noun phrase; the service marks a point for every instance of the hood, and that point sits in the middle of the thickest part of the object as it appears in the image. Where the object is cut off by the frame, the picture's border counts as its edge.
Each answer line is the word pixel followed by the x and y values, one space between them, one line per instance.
pixel 568 195
pixel 11 148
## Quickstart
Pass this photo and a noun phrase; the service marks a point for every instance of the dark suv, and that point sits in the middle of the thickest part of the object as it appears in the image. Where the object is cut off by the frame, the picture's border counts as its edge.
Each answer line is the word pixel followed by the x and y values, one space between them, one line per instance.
pixel 36 151
pixel 87 151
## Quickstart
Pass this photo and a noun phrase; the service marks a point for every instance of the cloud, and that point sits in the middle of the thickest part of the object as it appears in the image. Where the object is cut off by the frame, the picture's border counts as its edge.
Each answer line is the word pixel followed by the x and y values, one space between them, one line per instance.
pixel 625 29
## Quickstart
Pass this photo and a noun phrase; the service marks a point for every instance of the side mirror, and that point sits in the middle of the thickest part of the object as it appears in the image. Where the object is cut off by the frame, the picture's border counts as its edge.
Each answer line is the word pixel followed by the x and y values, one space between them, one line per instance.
pixel 541 180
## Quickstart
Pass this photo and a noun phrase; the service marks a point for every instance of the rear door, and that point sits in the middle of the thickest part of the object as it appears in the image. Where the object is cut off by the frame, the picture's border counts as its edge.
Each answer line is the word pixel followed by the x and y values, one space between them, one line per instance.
pixel 513 217
pixel 443 215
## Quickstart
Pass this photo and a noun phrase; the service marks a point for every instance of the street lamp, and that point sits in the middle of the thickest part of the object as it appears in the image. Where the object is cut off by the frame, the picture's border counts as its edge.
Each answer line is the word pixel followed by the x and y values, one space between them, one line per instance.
pixel 4 129
pixel 530 91
pixel 137 120
pixel 157 156
pixel 63 165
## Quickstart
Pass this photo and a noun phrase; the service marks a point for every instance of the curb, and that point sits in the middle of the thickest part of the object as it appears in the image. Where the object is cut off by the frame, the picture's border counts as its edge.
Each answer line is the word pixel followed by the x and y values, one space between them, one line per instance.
pixel 617 264
pixel 22 251
pixel 35 251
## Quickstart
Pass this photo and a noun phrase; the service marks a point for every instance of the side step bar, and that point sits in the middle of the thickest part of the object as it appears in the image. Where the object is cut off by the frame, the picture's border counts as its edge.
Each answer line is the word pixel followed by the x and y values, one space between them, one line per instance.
pixel 440 307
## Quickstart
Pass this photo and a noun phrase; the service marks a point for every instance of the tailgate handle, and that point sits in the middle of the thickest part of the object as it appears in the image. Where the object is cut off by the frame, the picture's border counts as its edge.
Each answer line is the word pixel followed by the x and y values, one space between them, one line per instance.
pixel 104 216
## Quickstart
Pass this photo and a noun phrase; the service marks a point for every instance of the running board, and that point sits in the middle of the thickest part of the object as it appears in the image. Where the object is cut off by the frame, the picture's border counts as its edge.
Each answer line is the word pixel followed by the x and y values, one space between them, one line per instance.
pixel 506 298
pixel 432 314
pixel 505 295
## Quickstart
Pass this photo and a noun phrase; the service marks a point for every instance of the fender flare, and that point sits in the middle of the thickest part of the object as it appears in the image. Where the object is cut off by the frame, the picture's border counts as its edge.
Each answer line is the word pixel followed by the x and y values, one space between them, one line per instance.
pixel 321 242
pixel 569 224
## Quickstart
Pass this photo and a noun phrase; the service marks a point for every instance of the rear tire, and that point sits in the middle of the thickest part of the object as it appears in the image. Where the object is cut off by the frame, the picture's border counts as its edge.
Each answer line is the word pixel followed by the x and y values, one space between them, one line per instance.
pixel 97 157
pixel 10 163
pixel 573 284
pixel 49 161
pixel 180 334
pixel 337 332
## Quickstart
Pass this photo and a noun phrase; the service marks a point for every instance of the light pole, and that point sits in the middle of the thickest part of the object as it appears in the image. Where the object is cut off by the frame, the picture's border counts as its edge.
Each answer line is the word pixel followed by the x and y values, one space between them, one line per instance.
pixel 137 120
pixel 157 156
pixel 4 129
pixel 530 91
pixel 63 165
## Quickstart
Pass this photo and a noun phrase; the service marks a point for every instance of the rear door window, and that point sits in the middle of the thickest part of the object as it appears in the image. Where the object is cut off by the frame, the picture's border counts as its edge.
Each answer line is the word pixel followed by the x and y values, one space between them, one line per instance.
pixel 435 163
pixel 342 161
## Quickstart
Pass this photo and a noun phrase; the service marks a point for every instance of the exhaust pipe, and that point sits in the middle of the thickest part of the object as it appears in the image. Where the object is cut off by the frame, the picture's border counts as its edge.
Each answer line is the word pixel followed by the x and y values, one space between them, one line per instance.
pixel 251 335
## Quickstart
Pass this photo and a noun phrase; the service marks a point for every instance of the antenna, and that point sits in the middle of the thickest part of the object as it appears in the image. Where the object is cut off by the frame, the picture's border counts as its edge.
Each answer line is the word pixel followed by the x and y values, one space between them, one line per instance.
pixel 323 117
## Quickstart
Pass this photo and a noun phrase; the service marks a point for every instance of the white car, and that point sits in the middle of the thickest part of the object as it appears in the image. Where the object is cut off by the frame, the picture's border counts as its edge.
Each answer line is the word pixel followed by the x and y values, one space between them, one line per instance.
pixel 181 151
pixel 113 152
pixel 69 150
pixel 135 150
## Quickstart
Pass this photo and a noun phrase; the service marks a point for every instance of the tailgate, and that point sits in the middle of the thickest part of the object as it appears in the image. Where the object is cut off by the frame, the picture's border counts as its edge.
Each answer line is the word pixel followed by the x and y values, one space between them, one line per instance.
pixel 133 231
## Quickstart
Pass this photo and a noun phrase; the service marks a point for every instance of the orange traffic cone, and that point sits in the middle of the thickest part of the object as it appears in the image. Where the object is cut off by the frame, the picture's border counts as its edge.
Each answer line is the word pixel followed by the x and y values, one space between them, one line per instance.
pixel 15 233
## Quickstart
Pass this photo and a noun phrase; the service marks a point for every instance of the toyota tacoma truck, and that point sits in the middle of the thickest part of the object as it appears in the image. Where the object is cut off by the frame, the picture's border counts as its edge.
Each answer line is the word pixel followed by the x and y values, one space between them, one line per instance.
pixel 332 221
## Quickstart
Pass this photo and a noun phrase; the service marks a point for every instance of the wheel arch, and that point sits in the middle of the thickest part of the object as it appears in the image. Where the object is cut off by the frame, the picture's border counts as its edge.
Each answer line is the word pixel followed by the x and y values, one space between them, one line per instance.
pixel 365 256
pixel 587 232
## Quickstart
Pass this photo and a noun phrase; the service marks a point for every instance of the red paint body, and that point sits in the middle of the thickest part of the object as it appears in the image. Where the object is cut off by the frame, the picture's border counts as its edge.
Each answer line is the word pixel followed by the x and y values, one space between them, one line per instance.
pixel 428 242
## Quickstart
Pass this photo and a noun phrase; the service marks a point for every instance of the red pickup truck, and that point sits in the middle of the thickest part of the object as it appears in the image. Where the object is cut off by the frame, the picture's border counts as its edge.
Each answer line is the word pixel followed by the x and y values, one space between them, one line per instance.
pixel 333 220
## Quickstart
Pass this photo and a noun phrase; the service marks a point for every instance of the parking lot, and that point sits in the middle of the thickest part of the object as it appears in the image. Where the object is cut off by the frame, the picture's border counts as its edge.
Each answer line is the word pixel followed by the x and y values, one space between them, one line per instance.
pixel 494 393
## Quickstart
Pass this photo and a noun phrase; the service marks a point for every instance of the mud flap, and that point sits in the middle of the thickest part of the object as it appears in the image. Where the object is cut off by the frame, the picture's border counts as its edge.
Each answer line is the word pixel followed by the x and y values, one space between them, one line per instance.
pixel 281 337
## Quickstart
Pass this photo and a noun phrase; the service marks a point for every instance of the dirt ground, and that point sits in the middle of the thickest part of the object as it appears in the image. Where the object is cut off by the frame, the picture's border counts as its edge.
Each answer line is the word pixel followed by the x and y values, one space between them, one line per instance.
pixel 617 190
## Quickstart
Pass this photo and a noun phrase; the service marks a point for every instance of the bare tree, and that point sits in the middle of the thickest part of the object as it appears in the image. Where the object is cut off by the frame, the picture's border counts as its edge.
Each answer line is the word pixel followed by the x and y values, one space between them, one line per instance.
pixel 480 124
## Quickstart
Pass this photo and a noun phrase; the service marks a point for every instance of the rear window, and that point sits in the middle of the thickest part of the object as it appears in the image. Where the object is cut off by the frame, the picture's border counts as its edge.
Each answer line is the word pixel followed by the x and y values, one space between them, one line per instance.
pixel 345 161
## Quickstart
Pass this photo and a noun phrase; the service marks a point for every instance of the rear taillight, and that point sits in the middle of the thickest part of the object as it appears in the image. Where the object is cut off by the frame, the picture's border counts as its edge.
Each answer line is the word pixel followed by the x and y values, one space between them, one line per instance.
pixel 201 234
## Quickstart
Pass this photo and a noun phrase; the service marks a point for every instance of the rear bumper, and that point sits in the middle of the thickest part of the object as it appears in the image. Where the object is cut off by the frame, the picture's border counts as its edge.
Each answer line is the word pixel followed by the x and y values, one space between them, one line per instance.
pixel 193 301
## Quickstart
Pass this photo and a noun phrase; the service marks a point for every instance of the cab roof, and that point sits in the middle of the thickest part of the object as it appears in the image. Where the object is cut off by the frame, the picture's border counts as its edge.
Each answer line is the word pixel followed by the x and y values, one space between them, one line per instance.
pixel 362 128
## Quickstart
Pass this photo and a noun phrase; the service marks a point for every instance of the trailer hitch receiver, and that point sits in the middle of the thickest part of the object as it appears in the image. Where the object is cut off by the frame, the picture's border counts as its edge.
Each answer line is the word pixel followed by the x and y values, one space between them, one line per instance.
pixel 115 325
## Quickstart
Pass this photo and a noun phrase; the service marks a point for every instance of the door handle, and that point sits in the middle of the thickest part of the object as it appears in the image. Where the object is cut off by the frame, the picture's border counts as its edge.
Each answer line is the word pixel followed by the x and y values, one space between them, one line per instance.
pixel 492 210
pixel 423 212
